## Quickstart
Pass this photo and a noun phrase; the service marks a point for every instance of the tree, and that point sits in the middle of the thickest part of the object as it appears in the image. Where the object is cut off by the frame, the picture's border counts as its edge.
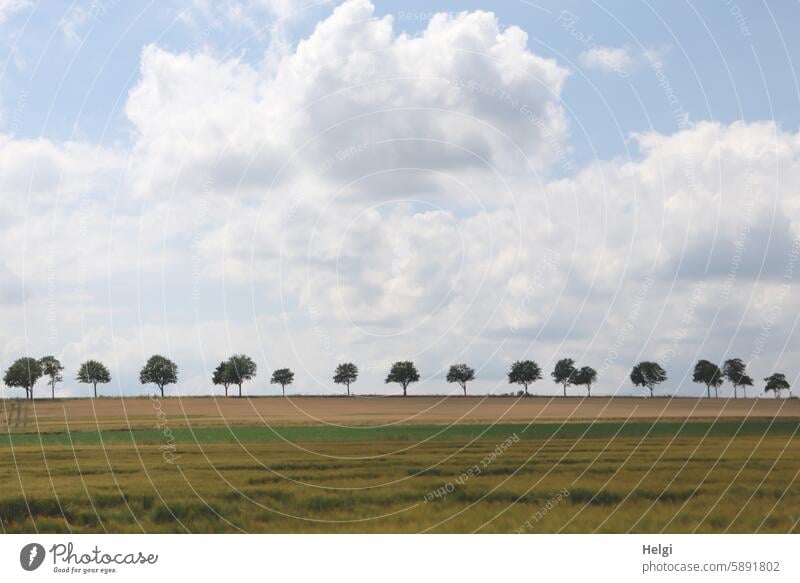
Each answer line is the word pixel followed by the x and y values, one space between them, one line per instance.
pixel 776 382
pixel 220 376
pixel 461 374
pixel 240 368
pixel 404 373
pixel 586 376
pixel 282 377
pixel 23 374
pixel 564 373
pixel 735 371
pixel 160 371
pixel 524 372
pixel 648 374
pixel 345 374
pixel 709 374
pixel 52 369
pixel 93 372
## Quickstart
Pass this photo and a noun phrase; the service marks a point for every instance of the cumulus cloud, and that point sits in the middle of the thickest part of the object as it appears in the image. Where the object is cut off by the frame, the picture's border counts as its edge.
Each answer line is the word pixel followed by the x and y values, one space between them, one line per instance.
pixel 353 81
pixel 358 199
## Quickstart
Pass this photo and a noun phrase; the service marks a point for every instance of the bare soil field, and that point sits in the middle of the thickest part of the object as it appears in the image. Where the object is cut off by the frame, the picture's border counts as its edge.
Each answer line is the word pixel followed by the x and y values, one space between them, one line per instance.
pixel 145 412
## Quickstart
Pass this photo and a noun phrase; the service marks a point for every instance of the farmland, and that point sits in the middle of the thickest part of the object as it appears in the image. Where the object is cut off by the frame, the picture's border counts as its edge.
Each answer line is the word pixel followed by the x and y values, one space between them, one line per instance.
pixel 401 465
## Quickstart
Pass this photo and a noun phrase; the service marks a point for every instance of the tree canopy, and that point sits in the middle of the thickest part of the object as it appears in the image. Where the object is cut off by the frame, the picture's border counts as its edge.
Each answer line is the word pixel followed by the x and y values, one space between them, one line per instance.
pixel 93 372
pixel 736 372
pixel 524 372
pixel 564 373
pixel 585 376
pixel 52 369
pixel 23 374
pixel 160 371
pixel 240 368
pixel 461 374
pixel 404 373
pixel 282 377
pixel 648 374
pixel 776 382
pixel 709 374
pixel 346 373
pixel 221 377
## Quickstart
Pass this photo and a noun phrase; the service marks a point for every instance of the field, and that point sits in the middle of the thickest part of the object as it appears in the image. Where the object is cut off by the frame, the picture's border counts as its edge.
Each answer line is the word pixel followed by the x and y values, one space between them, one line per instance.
pixel 400 465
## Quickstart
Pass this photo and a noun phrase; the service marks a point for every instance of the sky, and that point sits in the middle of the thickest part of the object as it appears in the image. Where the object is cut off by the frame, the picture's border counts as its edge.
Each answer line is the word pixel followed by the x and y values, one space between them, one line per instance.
pixel 317 182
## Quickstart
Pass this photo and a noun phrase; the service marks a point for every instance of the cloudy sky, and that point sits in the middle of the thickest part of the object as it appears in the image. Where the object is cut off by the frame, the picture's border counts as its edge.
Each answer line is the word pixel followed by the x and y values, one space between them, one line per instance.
pixel 315 182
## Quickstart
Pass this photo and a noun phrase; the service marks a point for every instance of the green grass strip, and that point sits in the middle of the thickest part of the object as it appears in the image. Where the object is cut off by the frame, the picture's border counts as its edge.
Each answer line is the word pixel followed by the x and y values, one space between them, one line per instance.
pixel 413 433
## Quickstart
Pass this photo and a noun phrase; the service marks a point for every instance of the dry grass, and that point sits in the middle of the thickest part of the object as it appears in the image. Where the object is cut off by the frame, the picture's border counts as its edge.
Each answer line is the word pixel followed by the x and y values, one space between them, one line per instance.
pixel 712 484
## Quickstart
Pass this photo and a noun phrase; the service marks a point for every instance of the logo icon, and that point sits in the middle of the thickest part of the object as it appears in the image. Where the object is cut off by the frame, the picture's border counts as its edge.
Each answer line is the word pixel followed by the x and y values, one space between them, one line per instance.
pixel 31 556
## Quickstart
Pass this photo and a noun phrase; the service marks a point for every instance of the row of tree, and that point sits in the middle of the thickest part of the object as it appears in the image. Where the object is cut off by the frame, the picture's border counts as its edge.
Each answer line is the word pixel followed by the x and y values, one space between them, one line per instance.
pixel 651 374
pixel 239 368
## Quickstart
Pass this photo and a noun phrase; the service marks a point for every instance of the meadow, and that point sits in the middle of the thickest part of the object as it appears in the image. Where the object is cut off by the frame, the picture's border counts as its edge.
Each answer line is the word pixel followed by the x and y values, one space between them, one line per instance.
pixel 606 476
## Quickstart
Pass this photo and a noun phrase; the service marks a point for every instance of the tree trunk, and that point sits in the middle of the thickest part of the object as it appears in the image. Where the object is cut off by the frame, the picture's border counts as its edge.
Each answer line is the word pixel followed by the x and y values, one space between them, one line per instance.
pixel 565 390
pixel 162 391
pixel 464 386
pixel 404 390
pixel 240 390
pixel 95 390
pixel 348 388
pixel 526 389
pixel 283 389
pixel 716 393
pixel 708 388
pixel 651 392
pixel 226 390
pixel 53 390
pixel 735 392
pixel 589 388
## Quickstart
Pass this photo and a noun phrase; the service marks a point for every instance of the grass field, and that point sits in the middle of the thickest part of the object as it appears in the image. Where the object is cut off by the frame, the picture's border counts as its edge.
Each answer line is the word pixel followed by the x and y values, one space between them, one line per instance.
pixel 645 475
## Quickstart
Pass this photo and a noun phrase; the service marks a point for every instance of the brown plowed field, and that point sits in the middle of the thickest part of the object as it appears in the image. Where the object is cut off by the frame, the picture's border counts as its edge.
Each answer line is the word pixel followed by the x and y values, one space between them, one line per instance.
pixel 144 412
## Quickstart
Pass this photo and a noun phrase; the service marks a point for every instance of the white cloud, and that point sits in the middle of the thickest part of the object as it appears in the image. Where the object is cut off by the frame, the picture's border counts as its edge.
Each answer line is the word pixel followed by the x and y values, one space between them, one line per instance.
pixel 10 7
pixel 620 60
pixel 363 200
pixel 354 81
pixel 609 59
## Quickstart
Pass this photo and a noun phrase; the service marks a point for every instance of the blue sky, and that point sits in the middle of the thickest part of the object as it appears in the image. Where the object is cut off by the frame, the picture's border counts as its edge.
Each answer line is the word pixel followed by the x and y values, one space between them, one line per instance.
pixel 311 183
pixel 727 61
